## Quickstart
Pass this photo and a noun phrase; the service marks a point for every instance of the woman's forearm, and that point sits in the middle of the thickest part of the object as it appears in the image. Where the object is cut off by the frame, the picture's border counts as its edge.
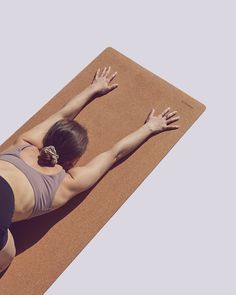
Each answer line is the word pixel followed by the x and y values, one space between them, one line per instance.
pixel 98 87
pixel 73 107
pixel 131 141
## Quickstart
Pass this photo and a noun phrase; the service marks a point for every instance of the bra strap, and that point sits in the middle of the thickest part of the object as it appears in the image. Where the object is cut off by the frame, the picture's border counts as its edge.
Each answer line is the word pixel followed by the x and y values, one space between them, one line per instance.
pixel 21 146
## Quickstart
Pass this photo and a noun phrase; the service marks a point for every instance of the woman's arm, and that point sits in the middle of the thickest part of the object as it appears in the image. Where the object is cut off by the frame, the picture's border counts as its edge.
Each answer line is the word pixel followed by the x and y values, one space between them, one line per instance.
pixel 98 87
pixel 153 125
pixel 85 176
pixel 72 108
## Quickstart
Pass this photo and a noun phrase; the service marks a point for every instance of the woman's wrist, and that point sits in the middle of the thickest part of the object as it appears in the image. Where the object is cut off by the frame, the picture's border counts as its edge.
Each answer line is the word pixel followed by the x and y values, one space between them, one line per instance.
pixel 148 129
pixel 91 90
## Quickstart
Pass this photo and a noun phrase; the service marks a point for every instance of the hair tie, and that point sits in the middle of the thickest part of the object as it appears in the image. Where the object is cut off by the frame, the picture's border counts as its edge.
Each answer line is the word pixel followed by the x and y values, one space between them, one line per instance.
pixel 50 149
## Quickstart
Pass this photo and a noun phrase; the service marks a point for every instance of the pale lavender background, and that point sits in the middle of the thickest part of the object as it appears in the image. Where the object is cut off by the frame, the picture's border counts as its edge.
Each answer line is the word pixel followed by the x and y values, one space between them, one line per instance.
pixel 176 233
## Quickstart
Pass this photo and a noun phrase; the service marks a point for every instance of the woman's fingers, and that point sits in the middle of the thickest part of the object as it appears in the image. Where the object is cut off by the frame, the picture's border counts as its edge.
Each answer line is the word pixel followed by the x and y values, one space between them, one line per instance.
pixel 113 76
pixel 113 86
pixel 165 111
pixel 168 121
pixel 171 114
pixel 170 127
pixel 103 72
pixel 150 114
pixel 107 72
pixel 96 75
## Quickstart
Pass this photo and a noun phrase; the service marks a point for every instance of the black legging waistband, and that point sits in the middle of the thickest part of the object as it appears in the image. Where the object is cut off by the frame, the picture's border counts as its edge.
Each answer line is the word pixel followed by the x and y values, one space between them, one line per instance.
pixel 7 208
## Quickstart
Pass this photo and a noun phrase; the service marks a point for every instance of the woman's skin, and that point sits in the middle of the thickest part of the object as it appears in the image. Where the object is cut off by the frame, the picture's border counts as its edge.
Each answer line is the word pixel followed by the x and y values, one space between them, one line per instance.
pixel 78 178
pixel 98 87
pixel 154 124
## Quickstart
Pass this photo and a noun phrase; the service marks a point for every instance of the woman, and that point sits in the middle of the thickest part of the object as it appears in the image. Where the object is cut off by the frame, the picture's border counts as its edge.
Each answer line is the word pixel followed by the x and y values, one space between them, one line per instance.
pixel 38 173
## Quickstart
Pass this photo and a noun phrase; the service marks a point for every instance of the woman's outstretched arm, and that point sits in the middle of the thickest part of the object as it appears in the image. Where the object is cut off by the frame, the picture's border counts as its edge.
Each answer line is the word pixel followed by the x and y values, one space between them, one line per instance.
pixel 153 125
pixel 98 87
pixel 86 176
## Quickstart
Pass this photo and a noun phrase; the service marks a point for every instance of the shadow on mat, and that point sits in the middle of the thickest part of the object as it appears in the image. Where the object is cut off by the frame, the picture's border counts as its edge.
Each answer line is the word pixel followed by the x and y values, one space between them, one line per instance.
pixel 26 233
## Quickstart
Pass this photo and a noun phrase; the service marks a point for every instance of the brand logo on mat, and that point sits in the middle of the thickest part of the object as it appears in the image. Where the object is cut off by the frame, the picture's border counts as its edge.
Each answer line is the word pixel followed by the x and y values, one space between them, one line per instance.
pixel 187 104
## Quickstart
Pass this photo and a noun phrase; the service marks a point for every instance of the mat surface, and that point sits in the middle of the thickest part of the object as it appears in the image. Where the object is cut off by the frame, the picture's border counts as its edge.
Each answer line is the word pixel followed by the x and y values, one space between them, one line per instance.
pixel 42 251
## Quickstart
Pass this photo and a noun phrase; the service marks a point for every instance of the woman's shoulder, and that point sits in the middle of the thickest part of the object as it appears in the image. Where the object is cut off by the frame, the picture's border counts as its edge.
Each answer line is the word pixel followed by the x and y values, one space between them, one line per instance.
pixel 16 144
pixel 64 193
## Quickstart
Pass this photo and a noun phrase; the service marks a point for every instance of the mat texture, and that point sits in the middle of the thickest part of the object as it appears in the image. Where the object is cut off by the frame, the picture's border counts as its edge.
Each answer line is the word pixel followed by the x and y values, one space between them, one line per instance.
pixel 47 244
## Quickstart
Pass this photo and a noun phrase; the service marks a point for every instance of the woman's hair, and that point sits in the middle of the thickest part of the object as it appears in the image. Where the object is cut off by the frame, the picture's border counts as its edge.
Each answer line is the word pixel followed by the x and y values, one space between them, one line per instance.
pixel 64 142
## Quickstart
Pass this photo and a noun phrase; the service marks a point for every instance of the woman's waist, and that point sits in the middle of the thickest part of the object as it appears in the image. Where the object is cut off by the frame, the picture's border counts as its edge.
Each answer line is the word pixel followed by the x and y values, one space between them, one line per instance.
pixel 20 185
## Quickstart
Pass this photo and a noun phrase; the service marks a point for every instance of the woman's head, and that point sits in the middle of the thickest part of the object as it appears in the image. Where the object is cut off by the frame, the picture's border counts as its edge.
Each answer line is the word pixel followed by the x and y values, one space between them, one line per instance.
pixel 64 143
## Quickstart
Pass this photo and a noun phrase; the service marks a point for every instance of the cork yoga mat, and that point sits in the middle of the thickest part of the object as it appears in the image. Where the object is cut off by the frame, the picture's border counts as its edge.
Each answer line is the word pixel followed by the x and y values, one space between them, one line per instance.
pixel 47 244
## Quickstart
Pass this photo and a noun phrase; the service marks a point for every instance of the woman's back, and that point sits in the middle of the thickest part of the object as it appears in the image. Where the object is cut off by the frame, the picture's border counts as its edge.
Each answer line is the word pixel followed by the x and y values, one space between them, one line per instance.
pixel 37 189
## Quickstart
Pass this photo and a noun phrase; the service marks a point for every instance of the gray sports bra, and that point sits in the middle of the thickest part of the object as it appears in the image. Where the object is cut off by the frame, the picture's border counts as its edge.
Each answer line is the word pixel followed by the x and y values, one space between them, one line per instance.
pixel 44 185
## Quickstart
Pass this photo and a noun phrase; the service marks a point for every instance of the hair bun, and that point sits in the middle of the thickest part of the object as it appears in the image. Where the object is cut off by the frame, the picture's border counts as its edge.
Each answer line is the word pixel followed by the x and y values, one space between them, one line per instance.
pixel 49 153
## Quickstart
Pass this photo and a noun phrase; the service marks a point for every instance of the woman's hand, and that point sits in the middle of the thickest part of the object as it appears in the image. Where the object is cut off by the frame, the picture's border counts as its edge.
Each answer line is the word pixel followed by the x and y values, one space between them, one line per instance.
pixel 100 82
pixel 161 122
